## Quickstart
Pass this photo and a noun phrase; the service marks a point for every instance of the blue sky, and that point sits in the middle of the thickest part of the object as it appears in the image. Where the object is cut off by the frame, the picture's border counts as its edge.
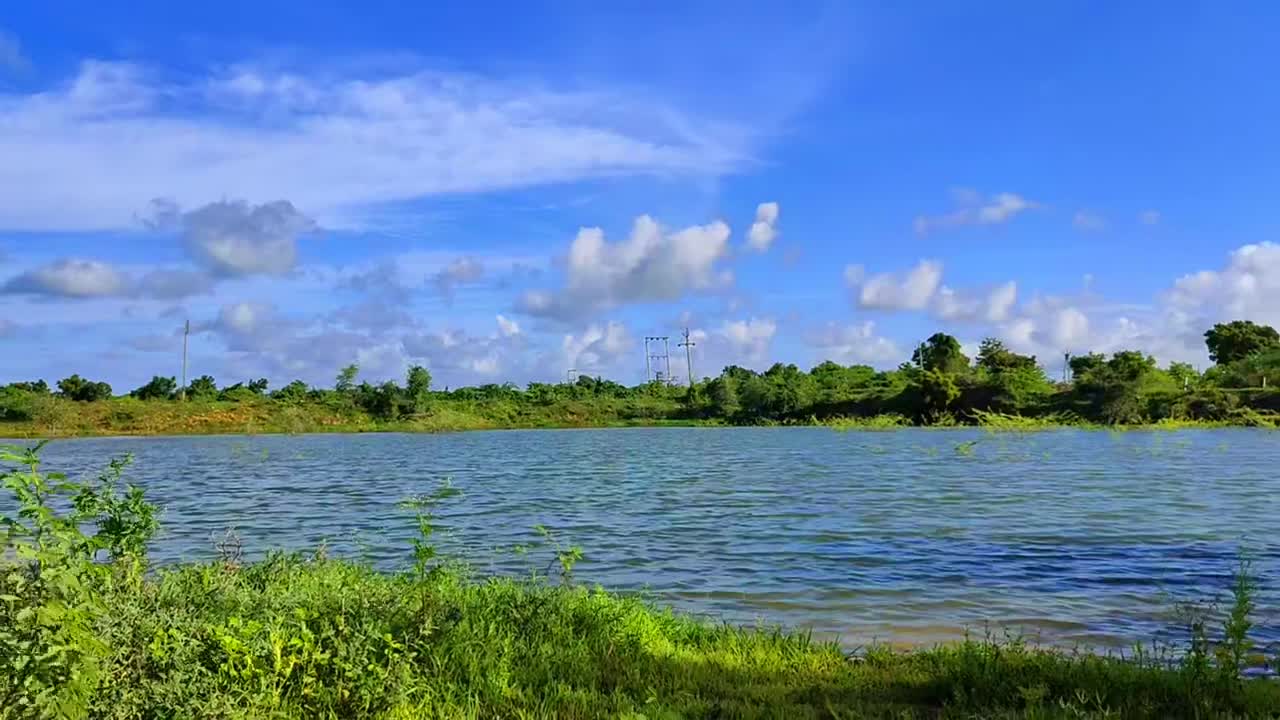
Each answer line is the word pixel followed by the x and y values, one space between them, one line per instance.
pixel 502 193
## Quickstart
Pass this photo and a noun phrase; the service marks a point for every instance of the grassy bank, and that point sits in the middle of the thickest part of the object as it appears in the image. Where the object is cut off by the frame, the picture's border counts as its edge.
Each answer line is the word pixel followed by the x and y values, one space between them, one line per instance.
pixel 88 630
pixel 56 417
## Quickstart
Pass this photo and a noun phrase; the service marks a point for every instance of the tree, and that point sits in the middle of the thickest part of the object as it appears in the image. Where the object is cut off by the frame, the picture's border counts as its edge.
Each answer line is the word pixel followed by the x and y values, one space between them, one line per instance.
pixel 937 391
pixel 1083 365
pixel 723 393
pixel 160 388
pixel 346 381
pixel 1183 374
pixel 1238 339
pixel 993 356
pixel 39 387
pixel 203 388
pixel 295 391
pixel 81 390
pixel 941 352
pixel 418 388
pixel 259 386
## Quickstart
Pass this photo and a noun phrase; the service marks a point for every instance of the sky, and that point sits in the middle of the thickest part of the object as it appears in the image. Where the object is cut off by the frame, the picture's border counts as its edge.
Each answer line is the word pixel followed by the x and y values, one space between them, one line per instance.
pixel 507 192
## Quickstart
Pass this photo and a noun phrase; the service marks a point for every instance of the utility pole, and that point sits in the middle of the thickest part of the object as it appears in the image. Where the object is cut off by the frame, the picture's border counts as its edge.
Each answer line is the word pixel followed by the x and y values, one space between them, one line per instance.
pixel 1066 363
pixel 186 341
pixel 688 354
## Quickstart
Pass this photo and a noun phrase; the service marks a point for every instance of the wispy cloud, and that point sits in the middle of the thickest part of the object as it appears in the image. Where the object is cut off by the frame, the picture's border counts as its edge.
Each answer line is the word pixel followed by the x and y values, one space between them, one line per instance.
pixel 973 209
pixel 11 55
pixel 1088 221
pixel 122 134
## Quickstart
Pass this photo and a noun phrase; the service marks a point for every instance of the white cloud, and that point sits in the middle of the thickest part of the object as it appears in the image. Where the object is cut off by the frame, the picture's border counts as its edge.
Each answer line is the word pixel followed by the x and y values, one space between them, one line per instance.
pixel 596 348
pixel 993 306
pixel 461 271
pixel 749 339
pixel 856 344
pixel 1088 221
pixel 651 265
pixel 71 278
pixel 764 230
pixel 974 210
pixel 507 327
pixel 1149 217
pixel 891 291
pixel 331 145
pixel 1248 288
pixel 235 238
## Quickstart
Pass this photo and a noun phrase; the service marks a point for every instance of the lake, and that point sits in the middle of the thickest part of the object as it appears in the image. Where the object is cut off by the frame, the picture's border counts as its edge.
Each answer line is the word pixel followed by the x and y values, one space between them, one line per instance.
pixel 912 536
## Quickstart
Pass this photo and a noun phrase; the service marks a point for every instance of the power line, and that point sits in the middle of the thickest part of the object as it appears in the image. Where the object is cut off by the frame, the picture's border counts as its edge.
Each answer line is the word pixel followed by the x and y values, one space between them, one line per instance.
pixel 688 354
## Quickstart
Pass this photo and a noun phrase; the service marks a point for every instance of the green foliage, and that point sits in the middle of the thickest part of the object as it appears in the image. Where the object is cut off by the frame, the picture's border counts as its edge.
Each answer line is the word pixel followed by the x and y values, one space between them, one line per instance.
pixel 160 388
pixel 53 590
pixel 81 390
pixel 994 357
pixel 1238 339
pixel 941 352
pixel 202 388
pixel 294 392
pixel 418 389
pixel 346 380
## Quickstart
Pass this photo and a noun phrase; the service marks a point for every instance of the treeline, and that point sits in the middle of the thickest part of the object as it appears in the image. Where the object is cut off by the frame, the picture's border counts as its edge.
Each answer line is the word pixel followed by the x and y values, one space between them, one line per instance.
pixel 939 385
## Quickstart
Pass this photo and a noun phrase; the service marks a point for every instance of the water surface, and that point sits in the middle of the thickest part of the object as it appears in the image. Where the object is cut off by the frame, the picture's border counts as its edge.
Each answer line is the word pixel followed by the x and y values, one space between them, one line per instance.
pixel 1066 536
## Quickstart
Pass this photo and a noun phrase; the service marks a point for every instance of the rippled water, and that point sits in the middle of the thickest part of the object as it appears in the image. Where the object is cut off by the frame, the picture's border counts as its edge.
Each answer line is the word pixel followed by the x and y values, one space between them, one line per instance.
pixel 1068 536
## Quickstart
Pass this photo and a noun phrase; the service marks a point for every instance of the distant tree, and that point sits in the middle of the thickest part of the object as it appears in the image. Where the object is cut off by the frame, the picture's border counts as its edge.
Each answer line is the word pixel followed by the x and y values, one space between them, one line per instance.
pixel 722 393
pixel 994 357
pixel 202 388
pixel 295 391
pixel 346 381
pixel 81 390
pixel 941 352
pixel 418 389
pixel 1083 365
pixel 938 390
pixel 160 388
pixel 1183 374
pixel 1238 339
pixel 259 386
pixel 38 387
pixel 837 383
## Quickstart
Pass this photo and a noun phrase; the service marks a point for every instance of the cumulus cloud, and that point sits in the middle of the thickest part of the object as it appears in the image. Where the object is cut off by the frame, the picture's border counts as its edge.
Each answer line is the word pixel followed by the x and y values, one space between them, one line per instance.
pixel 235 238
pixel 70 278
pixel 597 347
pixel 1088 221
pixel 461 271
pixel 651 265
pixel 764 230
pixel 973 209
pixel 912 290
pixel 856 343
pixel 1247 288
pixel 749 338
pixel 992 306
pixel 120 133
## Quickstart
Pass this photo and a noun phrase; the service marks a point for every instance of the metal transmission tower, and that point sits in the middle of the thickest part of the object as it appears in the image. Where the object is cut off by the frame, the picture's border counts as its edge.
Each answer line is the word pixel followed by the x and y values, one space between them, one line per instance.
pixel 659 354
pixel 688 353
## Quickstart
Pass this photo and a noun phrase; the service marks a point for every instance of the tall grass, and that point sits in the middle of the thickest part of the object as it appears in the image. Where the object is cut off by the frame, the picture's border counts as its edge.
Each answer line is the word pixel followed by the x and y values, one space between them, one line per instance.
pixel 86 631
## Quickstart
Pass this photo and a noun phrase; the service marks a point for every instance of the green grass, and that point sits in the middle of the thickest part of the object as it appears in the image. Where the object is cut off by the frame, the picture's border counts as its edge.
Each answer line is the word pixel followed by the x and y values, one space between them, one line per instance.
pixel 321 638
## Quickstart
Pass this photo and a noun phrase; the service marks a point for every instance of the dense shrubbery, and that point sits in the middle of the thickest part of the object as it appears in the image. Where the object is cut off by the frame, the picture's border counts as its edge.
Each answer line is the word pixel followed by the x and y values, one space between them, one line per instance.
pixel 939 386
pixel 87 631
